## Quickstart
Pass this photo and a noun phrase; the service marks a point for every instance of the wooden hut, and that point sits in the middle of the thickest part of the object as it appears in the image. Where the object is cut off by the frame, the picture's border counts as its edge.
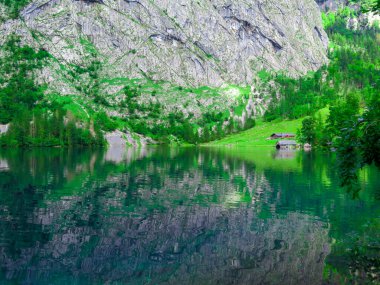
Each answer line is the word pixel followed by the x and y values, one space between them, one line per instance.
pixel 286 144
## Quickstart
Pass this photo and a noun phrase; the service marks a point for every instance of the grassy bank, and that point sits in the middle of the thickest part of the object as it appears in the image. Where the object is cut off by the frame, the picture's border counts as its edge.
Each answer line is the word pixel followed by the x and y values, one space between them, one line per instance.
pixel 258 135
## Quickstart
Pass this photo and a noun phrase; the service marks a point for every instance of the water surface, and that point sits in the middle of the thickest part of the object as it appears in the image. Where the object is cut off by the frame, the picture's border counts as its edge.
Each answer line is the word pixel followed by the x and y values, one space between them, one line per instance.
pixel 184 216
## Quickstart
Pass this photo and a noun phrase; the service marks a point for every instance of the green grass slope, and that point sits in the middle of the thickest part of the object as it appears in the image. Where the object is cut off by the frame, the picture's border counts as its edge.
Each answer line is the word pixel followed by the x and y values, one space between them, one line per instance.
pixel 259 134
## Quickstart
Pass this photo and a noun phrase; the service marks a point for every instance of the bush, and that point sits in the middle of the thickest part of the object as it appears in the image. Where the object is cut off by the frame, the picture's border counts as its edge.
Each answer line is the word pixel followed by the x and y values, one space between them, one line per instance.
pixel 104 122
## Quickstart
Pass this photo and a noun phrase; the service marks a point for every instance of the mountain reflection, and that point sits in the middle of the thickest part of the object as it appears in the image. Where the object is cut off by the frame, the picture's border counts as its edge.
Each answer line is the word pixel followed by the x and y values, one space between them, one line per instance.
pixel 169 216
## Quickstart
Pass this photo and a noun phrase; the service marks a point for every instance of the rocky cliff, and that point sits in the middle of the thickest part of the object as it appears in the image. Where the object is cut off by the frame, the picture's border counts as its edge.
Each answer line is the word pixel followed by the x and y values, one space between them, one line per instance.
pixel 185 42
pixel 189 58
pixel 331 5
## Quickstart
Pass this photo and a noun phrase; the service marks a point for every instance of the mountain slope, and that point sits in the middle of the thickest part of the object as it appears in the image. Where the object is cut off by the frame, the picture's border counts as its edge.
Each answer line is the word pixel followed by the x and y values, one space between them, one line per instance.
pixel 156 66
pixel 184 42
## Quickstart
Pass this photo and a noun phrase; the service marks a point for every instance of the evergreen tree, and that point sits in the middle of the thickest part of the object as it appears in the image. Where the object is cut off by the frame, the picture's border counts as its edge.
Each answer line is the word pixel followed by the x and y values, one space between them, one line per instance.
pixel 308 131
pixel 206 134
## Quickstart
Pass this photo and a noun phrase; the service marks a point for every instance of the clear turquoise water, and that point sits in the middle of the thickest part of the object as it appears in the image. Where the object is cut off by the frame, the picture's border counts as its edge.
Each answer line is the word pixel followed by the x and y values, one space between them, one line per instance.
pixel 184 216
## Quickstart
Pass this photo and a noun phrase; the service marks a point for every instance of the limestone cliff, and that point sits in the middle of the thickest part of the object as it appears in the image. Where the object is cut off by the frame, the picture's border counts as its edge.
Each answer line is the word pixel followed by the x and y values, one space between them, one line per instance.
pixel 189 58
pixel 185 42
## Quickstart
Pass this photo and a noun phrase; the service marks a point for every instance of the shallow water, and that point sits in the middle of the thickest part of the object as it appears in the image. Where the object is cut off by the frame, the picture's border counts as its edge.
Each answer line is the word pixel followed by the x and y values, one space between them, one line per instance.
pixel 184 216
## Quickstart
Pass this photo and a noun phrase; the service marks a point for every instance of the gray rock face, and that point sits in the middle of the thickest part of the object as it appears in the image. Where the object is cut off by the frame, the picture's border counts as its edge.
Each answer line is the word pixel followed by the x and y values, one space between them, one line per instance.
pixel 185 42
pixel 331 5
pixel 119 140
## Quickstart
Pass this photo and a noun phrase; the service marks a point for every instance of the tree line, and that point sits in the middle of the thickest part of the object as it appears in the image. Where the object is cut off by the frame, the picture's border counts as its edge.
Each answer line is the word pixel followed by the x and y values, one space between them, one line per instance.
pixel 352 127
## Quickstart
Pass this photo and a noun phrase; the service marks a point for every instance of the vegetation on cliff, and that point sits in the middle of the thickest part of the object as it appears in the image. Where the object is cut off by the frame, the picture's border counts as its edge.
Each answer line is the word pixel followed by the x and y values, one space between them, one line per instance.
pixel 34 121
pixel 14 6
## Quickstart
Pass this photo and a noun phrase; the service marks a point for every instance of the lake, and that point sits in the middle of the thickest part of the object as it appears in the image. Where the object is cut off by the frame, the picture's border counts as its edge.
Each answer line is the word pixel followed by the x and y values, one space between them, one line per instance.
pixel 185 216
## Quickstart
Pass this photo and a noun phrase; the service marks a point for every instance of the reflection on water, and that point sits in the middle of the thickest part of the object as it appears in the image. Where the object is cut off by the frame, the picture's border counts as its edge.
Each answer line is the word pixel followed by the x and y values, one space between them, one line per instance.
pixel 183 216
pixel 285 153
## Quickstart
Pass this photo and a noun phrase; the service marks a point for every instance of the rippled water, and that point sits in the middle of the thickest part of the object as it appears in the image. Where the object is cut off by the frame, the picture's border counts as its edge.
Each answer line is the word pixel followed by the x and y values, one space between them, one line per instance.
pixel 184 216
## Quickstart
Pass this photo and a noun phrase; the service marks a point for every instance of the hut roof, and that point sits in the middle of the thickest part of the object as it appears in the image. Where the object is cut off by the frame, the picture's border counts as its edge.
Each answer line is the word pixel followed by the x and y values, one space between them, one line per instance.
pixel 283 135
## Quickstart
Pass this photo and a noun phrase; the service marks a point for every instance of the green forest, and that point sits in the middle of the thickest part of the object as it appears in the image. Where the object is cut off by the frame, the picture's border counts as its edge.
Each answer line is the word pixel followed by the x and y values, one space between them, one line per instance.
pixel 349 86
pixel 351 91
